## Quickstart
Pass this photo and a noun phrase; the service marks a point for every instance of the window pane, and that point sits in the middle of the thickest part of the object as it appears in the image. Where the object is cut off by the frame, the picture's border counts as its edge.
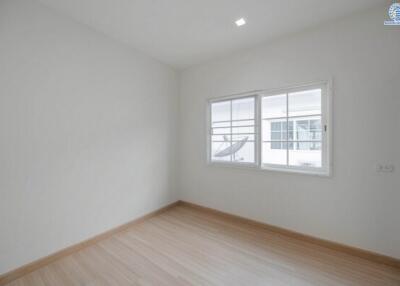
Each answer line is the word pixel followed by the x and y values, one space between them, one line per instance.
pixel 303 145
pixel 217 153
pixel 305 102
pixel 250 137
pixel 274 106
pixel 221 124
pixel 221 138
pixel 302 124
pixel 236 123
pixel 307 130
pixel 243 108
pixel 221 130
pixel 276 126
pixel 309 145
pixel 221 111
pixel 315 124
pixel 285 131
pixel 271 130
pixel 240 150
pixel 275 136
pixel 274 129
pixel 315 135
pixel 245 154
pixel 276 145
pixel 284 135
pixel 316 146
pixel 273 154
pixel 306 154
pixel 291 145
pixel 303 135
pixel 224 145
pixel 238 130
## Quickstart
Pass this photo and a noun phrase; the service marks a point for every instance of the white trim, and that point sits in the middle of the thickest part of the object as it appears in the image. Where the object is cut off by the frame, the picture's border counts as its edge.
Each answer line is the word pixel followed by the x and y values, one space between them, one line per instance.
pixel 234 96
pixel 326 120
pixel 253 167
pixel 287 129
pixel 258 130
pixel 294 88
pixel 293 169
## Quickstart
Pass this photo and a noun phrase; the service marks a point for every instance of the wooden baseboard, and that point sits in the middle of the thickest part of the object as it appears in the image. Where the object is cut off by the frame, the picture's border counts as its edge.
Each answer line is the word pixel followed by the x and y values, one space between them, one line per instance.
pixel 354 251
pixel 30 267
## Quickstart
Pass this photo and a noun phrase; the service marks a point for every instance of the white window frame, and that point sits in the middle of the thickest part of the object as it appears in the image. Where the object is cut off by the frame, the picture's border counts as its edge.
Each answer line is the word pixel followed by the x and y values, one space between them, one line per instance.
pixel 256 130
pixel 326 124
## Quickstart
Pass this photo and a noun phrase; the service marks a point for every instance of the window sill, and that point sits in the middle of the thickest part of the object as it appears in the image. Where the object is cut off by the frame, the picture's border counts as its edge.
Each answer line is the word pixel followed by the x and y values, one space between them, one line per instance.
pixel 301 171
pixel 234 165
pixel 273 168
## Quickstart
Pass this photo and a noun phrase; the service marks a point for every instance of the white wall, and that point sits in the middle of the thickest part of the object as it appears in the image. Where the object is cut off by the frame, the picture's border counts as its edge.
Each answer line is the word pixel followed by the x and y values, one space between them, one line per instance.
pixel 88 130
pixel 356 206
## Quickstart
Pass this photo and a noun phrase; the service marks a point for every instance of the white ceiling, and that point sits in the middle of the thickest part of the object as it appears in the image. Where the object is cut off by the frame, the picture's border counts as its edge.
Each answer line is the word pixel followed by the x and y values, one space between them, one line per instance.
pixel 182 33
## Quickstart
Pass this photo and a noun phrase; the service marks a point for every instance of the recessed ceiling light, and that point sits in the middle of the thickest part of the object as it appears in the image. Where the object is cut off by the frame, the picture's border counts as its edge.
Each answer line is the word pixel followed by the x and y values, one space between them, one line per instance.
pixel 240 22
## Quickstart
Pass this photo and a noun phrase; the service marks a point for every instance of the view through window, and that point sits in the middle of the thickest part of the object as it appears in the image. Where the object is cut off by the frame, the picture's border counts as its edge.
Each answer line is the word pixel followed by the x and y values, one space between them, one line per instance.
pixel 233 130
pixel 291 129
pixel 288 132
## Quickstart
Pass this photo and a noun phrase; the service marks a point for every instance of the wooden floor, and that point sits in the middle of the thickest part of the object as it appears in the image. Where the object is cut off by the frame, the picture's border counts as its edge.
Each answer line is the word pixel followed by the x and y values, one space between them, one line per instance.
pixel 187 246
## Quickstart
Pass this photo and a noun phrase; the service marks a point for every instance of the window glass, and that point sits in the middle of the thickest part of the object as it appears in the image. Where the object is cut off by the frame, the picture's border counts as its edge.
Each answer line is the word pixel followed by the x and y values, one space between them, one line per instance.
pixel 291 134
pixel 243 108
pixel 274 106
pixel 221 112
pixel 233 130
pixel 292 123
pixel 273 153
pixel 273 129
pixel 305 107
pixel 304 103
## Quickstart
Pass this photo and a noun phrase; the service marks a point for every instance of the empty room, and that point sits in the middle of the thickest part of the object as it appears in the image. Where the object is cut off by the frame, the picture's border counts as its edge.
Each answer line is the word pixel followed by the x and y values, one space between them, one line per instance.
pixel 199 142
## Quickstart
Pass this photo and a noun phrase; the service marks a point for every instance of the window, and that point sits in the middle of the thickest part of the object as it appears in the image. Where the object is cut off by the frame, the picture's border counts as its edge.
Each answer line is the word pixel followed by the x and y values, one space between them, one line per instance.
pixel 282 130
pixel 233 130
